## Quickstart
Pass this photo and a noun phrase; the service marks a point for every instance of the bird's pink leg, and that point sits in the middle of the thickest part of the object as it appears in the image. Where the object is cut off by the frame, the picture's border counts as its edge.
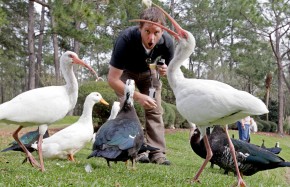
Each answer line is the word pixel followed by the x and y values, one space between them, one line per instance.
pixel 208 157
pixel 33 162
pixel 233 152
pixel 39 148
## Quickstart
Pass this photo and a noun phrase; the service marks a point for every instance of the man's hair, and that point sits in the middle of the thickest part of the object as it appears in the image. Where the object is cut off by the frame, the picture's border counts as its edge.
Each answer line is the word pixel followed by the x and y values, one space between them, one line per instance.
pixel 153 14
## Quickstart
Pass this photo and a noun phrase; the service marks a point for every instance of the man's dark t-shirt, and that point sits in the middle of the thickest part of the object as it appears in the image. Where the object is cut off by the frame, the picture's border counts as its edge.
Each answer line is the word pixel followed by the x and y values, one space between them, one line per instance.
pixel 129 53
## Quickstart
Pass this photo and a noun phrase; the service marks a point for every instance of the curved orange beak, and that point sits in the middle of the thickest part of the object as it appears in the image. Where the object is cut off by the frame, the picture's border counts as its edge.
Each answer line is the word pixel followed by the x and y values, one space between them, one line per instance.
pixel 180 32
pixel 76 60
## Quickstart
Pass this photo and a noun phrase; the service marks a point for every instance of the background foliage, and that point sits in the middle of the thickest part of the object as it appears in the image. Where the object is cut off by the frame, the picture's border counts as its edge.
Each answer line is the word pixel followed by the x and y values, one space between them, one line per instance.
pixel 237 42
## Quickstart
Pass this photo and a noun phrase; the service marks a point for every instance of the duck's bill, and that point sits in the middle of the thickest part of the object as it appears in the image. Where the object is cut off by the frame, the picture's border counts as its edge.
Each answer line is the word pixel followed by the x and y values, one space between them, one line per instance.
pixel 104 102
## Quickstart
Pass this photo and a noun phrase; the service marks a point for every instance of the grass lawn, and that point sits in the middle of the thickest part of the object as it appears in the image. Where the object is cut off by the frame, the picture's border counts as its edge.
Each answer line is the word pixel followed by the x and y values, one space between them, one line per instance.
pixel 185 164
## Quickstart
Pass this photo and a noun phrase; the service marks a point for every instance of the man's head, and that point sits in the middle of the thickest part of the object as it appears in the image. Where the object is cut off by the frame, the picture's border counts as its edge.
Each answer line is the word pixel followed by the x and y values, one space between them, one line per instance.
pixel 150 33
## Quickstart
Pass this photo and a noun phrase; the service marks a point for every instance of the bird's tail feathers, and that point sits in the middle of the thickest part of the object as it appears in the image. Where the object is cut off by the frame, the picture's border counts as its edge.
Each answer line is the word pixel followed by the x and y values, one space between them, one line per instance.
pixel 93 154
pixel 145 148
pixel 9 148
pixel 105 153
pixel 284 164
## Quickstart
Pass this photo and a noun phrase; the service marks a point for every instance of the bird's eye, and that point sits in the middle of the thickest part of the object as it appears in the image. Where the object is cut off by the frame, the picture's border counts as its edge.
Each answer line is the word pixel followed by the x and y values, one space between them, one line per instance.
pixel 70 55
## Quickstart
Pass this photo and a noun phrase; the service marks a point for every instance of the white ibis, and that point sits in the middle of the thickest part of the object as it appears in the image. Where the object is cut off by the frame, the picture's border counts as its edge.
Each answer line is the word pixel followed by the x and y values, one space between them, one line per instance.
pixel 206 102
pixel 68 141
pixel 43 106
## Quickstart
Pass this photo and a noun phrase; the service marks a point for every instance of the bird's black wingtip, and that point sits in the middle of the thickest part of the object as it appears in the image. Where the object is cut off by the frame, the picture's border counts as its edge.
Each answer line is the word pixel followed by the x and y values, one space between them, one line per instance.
pixel 93 154
pixel 146 147
pixel 284 164
pixel 7 149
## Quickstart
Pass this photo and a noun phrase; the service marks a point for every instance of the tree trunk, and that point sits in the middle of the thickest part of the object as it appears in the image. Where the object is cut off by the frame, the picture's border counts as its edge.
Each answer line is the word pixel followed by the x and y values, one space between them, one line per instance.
pixel 268 86
pixel 2 91
pixel 39 50
pixel 55 48
pixel 288 68
pixel 280 98
pixel 31 74
pixel 280 80
pixel 77 51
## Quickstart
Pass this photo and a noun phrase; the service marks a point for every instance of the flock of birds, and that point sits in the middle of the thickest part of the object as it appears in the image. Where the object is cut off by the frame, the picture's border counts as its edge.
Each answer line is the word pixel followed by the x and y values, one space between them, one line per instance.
pixel 119 139
pixel 202 102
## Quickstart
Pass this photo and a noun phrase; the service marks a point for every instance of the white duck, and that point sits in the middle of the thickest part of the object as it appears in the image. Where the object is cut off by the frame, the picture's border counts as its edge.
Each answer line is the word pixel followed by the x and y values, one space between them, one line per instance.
pixel 68 141
pixel 206 102
pixel 43 106
pixel 115 109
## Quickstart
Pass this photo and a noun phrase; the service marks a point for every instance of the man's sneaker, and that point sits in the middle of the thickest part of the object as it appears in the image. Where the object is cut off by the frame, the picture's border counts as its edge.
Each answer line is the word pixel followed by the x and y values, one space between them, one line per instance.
pixel 142 158
pixel 161 161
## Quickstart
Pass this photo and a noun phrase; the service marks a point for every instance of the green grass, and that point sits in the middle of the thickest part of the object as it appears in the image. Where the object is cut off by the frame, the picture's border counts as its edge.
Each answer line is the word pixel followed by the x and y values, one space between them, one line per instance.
pixel 67 120
pixel 185 164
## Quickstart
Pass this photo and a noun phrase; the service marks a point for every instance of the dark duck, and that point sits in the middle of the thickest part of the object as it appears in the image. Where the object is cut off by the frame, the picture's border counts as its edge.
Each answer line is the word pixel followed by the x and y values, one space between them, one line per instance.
pixel 121 138
pixel 251 158
pixel 27 139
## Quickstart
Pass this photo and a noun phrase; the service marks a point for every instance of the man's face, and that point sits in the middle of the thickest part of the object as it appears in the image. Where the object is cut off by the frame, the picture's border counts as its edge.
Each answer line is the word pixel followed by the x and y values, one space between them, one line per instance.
pixel 150 34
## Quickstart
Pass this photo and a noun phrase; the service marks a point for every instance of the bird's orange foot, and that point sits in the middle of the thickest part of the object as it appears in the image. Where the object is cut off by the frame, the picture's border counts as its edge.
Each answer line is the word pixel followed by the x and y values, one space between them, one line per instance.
pixel 70 157
pixel 240 183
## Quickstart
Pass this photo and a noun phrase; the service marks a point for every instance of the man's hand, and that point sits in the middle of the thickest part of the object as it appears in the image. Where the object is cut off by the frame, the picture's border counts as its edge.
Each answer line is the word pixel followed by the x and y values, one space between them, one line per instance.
pixel 162 69
pixel 146 101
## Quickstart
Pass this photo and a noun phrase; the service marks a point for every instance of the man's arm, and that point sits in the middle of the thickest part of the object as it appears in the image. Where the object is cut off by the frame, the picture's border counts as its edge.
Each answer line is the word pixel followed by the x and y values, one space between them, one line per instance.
pixel 114 80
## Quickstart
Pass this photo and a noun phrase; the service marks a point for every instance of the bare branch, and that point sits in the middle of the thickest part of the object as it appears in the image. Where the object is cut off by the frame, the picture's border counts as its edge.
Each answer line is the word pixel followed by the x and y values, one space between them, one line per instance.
pixel 273 47
pixel 281 26
pixel 254 26
pixel 285 53
pixel 285 80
